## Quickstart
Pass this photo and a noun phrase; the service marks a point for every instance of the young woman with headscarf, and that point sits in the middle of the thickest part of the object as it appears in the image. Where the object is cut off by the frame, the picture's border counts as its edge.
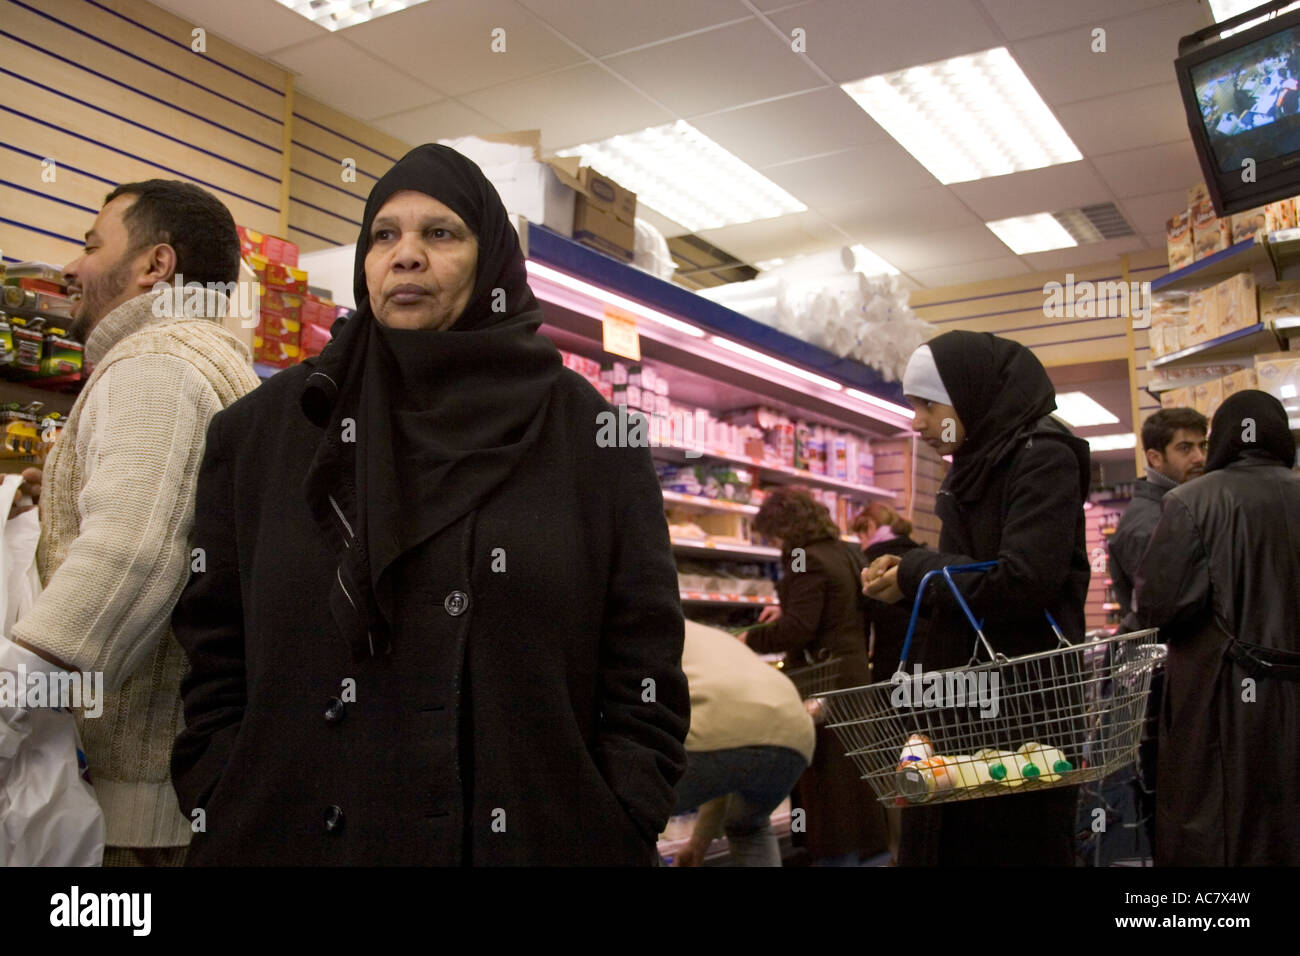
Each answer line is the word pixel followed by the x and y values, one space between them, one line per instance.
pixel 435 622
pixel 1014 494
pixel 1219 579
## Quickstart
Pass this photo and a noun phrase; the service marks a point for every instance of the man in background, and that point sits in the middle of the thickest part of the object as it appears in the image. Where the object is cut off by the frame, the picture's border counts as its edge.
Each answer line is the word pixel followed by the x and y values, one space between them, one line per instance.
pixel 117 495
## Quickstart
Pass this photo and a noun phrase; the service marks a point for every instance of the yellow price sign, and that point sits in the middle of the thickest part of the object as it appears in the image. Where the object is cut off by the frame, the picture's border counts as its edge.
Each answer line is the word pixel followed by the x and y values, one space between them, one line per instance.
pixel 620 335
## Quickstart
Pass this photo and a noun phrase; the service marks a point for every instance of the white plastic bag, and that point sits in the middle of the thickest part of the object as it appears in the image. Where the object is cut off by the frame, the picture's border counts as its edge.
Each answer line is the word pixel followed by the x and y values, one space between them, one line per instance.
pixel 48 812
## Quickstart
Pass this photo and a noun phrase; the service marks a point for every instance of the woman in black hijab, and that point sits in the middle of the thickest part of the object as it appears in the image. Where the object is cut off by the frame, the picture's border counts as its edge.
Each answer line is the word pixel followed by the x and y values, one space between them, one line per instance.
pixel 437 623
pixel 1219 580
pixel 1014 494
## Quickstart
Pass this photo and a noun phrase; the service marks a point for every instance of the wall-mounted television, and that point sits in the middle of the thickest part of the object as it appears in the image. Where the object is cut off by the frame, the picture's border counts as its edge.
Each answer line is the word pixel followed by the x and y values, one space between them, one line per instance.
pixel 1242 96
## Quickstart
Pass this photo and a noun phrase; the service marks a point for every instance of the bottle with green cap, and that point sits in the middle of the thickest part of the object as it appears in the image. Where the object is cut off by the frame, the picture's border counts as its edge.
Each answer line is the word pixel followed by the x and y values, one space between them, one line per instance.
pixel 1042 763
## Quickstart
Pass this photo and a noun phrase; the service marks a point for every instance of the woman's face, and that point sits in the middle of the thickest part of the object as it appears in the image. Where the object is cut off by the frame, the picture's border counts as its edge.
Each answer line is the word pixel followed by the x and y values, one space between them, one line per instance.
pixel 938 424
pixel 421 263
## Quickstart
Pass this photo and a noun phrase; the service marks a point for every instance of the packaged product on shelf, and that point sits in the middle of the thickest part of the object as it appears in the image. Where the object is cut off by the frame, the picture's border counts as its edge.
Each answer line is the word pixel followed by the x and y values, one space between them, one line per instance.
pixel 1240 380
pixel 283 302
pixel 661 386
pixel 1177 398
pixel 38 285
pixel 1278 374
pixel 44 271
pixel 29 345
pixel 1168 322
pixel 61 355
pixel 1235 306
pixel 1251 224
pixel 620 395
pixel 634 375
pixel 866 466
pixel 633 395
pixel 285 278
pixel 839 457
pixel 1197 194
pixel 662 405
pixel 317 311
pixel 1209 396
pixel 682 479
pixel 273 248
pixel 312 339
pixel 275 353
pixel 1210 234
pixel 606 391
pixel 7 354
pixel 1202 306
pixel 1280 215
pixel 613 372
pixel 20 426
pixel 1280 300
pixel 1178 240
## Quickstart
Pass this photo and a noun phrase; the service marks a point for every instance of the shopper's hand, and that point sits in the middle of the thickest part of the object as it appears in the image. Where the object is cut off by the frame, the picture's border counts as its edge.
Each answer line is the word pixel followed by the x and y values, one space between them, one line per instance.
pixel 31 488
pixel 743 637
pixel 689 855
pixel 815 710
pixel 884 587
pixel 770 613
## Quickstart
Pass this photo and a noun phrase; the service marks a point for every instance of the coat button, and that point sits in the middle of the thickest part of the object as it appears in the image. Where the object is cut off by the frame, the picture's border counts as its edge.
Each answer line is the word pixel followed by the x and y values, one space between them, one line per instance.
pixel 333 819
pixel 456 603
pixel 334 710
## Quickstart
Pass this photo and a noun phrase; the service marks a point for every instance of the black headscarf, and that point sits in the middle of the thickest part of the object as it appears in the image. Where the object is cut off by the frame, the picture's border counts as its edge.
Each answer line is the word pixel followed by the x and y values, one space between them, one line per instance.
pixel 999 389
pixel 441 417
pixel 1250 423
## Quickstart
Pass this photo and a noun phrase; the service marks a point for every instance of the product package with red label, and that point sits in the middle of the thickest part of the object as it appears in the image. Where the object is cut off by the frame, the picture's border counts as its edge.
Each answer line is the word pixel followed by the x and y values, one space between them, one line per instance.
pixel 273 248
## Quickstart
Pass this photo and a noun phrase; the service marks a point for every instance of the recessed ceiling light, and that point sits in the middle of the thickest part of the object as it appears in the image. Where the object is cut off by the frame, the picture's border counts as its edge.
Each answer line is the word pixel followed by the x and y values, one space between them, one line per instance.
pixel 1079 411
pixel 680 173
pixel 1226 9
pixel 1037 233
pixel 1112 442
pixel 337 14
pixel 967 118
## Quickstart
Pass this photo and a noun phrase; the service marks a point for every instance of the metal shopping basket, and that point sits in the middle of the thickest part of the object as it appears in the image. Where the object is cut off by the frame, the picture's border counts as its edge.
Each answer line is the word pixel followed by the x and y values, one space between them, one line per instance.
pixel 1001 726
pixel 815 679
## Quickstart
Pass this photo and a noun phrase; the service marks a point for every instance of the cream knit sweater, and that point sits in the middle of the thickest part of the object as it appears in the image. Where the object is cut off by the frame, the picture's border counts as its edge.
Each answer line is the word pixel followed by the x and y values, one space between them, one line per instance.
pixel 117 507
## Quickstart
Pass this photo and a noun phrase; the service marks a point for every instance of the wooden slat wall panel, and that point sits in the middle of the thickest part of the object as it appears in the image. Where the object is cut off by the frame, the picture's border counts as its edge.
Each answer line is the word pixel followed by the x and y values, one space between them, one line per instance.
pixel 893 460
pixel 112 92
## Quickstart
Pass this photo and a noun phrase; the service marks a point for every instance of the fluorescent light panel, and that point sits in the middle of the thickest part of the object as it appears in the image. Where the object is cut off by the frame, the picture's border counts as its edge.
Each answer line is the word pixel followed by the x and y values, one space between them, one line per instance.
pixel 611 298
pixel 682 174
pixel 861 396
pixel 868 263
pixel 1226 9
pixel 1080 411
pixel 1112 442
pixel 967 118
pixel 757 356
pixel 1037 233
pixel 338 14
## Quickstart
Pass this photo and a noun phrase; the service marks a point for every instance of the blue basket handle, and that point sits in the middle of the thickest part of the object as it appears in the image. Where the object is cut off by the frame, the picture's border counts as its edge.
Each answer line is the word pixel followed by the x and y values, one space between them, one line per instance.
pixel 977 626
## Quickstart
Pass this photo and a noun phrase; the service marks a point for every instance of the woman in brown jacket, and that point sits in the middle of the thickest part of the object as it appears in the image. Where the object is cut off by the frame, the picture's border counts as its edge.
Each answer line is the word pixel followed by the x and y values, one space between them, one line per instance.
pixel 820 619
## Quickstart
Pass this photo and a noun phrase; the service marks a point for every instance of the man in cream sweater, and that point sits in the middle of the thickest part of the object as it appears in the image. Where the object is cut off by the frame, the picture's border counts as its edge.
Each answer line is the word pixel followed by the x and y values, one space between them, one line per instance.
pixel 749 741
pixel 117 501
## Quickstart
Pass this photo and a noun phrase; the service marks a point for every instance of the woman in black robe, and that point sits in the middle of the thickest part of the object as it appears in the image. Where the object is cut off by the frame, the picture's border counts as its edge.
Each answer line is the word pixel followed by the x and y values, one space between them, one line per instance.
pixel 1014 494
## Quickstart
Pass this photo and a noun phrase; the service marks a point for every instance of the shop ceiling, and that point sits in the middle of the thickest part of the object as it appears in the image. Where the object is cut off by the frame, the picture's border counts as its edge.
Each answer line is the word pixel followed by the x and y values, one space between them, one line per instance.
pixel 585 70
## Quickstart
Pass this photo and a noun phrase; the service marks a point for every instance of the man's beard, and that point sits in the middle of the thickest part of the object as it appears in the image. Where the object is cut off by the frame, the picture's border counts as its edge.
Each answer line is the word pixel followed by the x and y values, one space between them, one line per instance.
pixel 96 297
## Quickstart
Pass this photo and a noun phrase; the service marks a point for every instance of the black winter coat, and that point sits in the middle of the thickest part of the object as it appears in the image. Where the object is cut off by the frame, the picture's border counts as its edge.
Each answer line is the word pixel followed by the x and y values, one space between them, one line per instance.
pixel 889 621
pixel 1220 580
pixel 535 715
pixel 1129 543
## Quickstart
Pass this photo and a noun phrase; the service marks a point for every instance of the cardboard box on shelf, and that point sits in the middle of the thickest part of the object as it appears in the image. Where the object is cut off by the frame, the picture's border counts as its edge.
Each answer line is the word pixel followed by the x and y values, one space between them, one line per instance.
pixel 275 353
pixel 1177 398
pixel 1280 215
pixel 1210 234
pixel 1238 381
pixel 1279 301
pixel 603 232
pixel 317 311
pixel 603 193
pixel 281 301
pixel 1178 240
pixel 285 278
pixel 1202 306
pixel 1236 306
pixel 1209 396
pixel 1278 374
pixel 313 338
pixel 1251 224
pixel 1198 193
pixel 1168 318
pixel 278 326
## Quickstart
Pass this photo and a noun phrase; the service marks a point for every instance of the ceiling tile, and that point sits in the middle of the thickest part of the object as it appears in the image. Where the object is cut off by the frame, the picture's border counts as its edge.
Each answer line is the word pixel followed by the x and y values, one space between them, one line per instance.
pixel 785 236
pixel 808 124
pixel 1018 19
pixel 946 247
pixel 1142 117
pixel 772 5
pixel 602 28
pixel 1140 51
pixel 1087 254
pixel 256 25
pixel 1050 189
pixel 448 43
pixel 850 39
pixel 1149 214
pixel 1001 268
pixel 446 120
pixel 854 176
pixel 1151 169
pixel 665 225
pixel 903 212
pixel 349 80
pixel 721 68
pixel 578 105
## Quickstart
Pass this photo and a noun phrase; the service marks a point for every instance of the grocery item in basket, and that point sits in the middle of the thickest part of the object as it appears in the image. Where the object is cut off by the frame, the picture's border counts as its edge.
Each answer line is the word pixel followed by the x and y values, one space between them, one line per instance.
pixel 1042 763
pixel 1004 767
pixel 968 771
pixel 921 780
pixel 917 748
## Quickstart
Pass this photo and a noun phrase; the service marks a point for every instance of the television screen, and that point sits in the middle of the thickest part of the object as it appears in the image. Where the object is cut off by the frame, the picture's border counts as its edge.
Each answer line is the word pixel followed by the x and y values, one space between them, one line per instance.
pixel 1249 101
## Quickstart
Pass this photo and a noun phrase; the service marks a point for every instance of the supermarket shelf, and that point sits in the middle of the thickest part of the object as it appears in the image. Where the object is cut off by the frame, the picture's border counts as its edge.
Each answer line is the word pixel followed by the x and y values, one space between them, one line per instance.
pixel 777 473
pixel 1245 256
pixel 703 597
pixel 1247 341
pixel 24 394
pixel 716 549
pixel 265 371
pixel 700 503
pixel 1288 326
